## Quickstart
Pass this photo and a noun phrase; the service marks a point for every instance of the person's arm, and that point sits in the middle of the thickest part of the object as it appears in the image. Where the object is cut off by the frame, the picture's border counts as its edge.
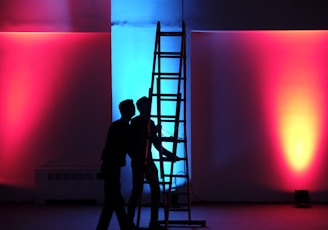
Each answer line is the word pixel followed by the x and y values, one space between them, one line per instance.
pixel 157 144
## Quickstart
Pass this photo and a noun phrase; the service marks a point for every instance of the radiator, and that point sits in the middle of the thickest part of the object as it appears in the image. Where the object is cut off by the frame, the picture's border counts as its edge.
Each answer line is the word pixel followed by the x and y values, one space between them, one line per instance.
pixel 68 184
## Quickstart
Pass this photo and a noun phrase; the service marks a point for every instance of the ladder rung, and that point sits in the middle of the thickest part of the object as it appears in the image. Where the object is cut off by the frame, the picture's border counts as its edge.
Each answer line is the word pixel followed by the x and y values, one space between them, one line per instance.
pixel 167 119
pixel 169 54
pixel 170 121
pixel 167 116
pixel 176 175
pixel 169 77
pixel 172 99
pixel 171 139
pixel 168 139
pixel 175 95
pixel 167 74
pixel 164 159
pixel 176 53
pixel 170 161
pixel 164 182
pixel 167 33
pixel 168 97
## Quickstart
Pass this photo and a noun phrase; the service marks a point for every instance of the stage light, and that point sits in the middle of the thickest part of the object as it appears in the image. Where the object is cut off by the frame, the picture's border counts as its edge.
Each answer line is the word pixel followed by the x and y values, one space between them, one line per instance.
pixel 302 198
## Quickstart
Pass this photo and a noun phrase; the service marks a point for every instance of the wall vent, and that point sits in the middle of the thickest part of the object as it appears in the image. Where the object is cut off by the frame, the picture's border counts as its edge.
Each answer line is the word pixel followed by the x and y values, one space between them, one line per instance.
pixel 68 184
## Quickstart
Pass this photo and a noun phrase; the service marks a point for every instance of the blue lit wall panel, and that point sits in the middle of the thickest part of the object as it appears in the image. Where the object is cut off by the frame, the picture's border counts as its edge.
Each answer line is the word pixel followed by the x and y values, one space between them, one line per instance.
pixel 132 52
pixel 133 41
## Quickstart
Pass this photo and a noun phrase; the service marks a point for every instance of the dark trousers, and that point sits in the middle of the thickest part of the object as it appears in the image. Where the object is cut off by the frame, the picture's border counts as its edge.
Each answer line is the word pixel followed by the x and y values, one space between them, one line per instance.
pixel 150 173
pixel 113 200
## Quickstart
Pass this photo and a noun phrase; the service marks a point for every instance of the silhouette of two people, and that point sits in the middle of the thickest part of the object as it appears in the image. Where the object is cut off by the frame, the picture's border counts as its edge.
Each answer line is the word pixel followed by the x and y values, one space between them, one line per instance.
pixel 136 139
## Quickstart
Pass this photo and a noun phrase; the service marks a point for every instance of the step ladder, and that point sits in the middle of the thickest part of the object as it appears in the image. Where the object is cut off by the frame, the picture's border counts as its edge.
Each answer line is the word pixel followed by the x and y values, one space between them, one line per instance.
pixel 168 100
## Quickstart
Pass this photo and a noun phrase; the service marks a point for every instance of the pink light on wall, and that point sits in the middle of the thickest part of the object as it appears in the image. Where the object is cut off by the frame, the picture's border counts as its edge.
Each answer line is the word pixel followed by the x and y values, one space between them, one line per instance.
pixel 294 68
pixel 52 87
pixel 29 83
pixel 55 84
pixel 259 112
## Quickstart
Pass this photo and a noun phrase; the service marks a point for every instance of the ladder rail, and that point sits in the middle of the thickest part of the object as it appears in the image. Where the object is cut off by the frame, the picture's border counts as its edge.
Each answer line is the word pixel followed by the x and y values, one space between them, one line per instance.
pixel 157 39
pixel 178 121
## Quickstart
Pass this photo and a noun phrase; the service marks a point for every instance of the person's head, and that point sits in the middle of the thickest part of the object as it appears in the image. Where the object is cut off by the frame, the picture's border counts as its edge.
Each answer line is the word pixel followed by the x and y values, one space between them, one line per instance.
pixel 127 109
pixel 143 105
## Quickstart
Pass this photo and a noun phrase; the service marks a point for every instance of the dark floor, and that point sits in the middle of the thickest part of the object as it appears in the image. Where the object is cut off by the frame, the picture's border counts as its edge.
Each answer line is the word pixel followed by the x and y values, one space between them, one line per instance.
pixel 217 216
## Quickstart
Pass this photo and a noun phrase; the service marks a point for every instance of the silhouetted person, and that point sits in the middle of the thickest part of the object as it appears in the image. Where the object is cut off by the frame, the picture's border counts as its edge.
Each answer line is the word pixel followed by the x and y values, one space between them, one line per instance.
pixel 143 128
pixel 113 158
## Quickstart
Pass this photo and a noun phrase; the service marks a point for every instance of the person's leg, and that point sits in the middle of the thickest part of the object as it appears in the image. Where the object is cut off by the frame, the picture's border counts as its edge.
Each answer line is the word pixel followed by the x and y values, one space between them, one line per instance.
pixel 152 178
pixel 137 187
pixel 113 201
pixel 108 206
pixel 118 202
pixel 121 213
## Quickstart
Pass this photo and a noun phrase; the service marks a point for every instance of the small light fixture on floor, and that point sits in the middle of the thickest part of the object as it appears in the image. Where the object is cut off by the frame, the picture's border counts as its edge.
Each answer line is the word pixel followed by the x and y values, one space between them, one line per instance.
pixel 302 198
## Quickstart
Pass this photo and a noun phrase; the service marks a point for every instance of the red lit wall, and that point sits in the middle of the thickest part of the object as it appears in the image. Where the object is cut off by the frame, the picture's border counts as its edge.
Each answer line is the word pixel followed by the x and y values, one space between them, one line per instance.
pixel 259 114
pixel 55 88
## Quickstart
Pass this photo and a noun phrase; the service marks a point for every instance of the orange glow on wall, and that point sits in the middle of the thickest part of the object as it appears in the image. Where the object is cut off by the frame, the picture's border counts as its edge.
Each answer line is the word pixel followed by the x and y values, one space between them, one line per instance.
pixel 298 117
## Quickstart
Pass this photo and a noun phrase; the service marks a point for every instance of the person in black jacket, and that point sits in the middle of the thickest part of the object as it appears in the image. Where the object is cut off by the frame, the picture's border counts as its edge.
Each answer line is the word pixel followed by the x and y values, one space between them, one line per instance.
pixel 113 158
pixel 143 136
